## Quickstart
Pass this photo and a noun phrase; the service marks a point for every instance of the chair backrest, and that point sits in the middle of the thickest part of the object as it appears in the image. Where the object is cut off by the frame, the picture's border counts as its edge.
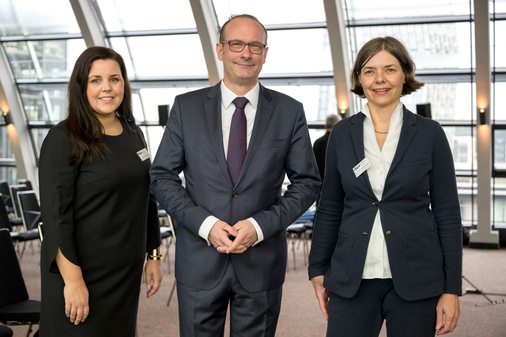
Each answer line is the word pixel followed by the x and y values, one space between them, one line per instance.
pixel 12 284
pixel 14 189
pixel 4 217
pixel 172 227
pixel 29 209
pixel 27 183
pixel 6 192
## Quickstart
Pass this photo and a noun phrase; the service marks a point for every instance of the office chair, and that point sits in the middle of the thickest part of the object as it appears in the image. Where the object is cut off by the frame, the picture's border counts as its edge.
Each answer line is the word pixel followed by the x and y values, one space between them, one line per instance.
pixel 27 183
pixel 168 233
pixel 15 306
pixel 6 194
pixel 13 192
pixel 30 214
pixel 5 222
pixel 14 189
pixel 5 331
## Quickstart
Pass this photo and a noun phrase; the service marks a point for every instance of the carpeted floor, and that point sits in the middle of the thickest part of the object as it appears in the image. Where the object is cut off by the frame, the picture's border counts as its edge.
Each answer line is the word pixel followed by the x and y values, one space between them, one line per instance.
pixel 300 315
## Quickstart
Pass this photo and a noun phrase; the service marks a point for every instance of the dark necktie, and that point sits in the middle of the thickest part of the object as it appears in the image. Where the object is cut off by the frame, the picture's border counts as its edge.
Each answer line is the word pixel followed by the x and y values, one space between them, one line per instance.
pixel 237 139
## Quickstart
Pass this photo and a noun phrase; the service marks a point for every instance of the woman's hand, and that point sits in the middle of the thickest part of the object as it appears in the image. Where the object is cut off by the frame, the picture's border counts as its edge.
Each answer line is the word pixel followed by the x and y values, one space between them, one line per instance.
pixel 449 307
pixel 154 276
pixel 322 295
pixel 76 301
pixel 75 291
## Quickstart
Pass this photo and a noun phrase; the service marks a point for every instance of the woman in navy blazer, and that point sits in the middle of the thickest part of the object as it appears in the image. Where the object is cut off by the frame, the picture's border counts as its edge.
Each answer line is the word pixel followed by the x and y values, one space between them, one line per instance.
pixel 387 242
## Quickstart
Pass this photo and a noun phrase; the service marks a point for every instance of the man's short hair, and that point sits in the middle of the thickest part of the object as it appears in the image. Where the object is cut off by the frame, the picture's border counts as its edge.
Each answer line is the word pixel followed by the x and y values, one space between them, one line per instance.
pixel 331 120
pixel 241 16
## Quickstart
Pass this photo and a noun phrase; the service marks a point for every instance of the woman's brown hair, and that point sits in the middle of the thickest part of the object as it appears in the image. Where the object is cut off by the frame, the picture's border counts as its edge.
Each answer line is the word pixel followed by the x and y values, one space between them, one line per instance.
pixel 394 47
pixel 85 131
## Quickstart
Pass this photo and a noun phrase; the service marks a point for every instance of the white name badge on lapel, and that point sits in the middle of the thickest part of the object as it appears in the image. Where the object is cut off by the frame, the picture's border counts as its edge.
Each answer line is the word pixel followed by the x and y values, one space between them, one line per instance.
pixel 143 154
pixel 361 167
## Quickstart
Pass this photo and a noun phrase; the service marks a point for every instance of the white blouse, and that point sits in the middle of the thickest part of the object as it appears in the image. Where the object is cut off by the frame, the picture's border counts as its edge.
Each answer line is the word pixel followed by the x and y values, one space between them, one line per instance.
pixel 376 262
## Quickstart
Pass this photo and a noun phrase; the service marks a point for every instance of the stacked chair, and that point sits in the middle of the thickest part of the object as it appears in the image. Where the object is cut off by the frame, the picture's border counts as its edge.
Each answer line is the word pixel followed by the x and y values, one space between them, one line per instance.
pixel 21 220
pixel 15 306
pixel 300 231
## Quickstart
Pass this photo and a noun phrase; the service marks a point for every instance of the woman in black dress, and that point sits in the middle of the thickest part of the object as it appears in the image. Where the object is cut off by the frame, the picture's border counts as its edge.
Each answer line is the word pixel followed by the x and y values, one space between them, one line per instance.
pixel 100 218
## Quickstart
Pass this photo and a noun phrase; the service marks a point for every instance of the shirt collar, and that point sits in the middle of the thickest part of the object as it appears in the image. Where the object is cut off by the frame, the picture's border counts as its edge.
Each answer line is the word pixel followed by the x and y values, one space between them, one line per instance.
pixel 227 96
pixel 396 115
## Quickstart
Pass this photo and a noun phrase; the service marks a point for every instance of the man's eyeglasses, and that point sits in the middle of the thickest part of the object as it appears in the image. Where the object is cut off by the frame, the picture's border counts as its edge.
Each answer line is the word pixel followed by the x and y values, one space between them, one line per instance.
pixel 237 46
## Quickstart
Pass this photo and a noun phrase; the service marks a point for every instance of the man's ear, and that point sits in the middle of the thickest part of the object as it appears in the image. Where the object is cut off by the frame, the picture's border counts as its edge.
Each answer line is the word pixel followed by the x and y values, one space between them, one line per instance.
pixel 219 51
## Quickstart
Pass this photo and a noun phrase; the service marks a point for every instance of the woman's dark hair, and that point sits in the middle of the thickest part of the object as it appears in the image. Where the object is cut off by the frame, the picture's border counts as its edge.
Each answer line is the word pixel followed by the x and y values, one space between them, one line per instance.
pixel 394 47
pixel 85 131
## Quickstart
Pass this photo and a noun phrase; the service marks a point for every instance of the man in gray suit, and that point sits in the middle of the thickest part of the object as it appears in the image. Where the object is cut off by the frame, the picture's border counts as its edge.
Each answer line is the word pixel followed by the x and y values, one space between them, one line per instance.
pixel 231 213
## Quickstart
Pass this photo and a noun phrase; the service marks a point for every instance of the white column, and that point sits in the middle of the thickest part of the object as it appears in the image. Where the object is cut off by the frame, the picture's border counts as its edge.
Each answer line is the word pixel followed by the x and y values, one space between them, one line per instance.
pixel 483 236
pixel 339 49
pixel 208 28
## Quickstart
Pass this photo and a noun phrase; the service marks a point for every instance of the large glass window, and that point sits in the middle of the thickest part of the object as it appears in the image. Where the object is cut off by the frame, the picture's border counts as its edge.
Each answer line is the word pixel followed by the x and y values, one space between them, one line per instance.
pixel 5 145
pixel 8 170
pixel 462 144
pixel 272 12
pixel 298 51
pixel 44 102
pixel 500 102
pixel 432 46
pixel 318 100
pixel 37 17
pixel 160 44
pixel 47 59
pixel 499 60
pixel 124 16
pixel 164 56
pixel 372 9
pixel 448 101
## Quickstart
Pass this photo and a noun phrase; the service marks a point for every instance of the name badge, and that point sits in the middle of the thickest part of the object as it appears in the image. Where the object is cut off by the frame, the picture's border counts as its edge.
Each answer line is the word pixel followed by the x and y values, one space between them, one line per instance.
pixel 361 167
pixel 143 154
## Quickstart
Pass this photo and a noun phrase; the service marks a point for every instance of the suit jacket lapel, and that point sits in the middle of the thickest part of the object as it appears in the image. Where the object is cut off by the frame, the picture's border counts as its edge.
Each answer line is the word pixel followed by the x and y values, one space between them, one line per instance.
pixel 212 109
pixel 357 135
pixel 408 130
pixel 263 114
pixel 357 139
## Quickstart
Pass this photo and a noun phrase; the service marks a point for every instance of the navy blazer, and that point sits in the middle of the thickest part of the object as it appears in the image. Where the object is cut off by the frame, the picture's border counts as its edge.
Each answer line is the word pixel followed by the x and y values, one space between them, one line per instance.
pixel 419 212
pixel 193 143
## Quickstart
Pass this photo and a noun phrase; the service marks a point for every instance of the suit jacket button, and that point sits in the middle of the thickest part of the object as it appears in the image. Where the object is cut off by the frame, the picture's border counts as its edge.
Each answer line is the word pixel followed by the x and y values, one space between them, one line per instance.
pixel 234 195
pixel 388 233
pixel 376 203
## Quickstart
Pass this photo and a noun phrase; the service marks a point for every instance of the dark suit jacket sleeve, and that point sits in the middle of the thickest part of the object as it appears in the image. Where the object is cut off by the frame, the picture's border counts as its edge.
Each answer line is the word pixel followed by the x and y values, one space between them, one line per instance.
pixel 329 213
pixel 301 170
pixel 165 182
pixel 446 209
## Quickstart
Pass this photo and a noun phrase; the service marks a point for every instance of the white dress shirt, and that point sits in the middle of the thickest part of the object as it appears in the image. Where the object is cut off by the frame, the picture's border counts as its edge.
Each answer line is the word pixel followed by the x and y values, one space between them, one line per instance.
pixel 376 261
pixel 227 111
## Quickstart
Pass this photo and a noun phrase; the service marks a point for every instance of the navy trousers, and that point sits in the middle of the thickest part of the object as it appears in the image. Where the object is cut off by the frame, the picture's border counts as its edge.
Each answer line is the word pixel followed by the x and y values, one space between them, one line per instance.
pixel 377 301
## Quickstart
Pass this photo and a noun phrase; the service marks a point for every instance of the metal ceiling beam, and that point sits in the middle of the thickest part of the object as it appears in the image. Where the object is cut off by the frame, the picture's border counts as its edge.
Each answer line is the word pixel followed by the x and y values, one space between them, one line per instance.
pixel 339 50
pixel 18 132
pixel 89 23
pixel 208 28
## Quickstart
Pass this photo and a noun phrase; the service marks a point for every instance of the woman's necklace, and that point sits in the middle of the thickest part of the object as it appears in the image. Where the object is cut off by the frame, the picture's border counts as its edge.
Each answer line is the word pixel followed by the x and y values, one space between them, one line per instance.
pixel 381 133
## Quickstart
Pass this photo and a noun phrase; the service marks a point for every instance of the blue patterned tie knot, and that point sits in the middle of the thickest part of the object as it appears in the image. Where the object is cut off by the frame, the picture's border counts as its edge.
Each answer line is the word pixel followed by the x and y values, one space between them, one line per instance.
pixel 237 139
